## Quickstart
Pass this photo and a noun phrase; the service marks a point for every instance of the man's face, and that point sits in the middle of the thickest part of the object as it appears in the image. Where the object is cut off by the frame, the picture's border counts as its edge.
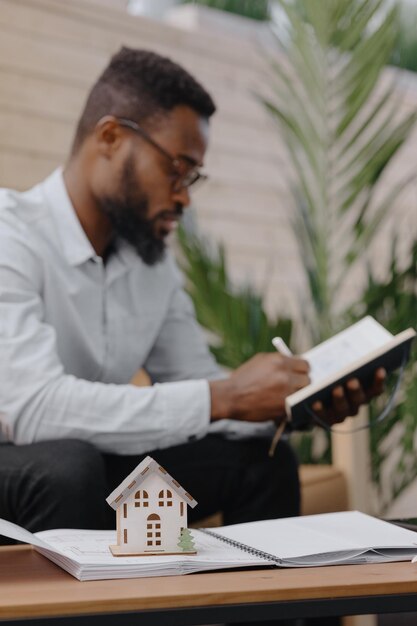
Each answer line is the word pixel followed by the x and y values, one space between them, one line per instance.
pixel 145 198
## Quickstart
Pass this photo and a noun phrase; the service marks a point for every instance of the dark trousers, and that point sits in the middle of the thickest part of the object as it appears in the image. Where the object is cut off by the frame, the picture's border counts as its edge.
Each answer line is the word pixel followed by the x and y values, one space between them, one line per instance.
pixel 58 484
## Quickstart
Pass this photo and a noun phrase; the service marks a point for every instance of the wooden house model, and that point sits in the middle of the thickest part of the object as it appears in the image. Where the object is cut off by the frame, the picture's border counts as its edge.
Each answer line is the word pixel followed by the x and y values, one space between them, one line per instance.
pixel 151 511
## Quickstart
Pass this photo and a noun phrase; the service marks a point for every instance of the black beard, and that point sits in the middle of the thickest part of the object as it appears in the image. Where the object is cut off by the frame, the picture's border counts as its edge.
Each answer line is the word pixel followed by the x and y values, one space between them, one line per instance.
pixel 137 231
pixel 127 216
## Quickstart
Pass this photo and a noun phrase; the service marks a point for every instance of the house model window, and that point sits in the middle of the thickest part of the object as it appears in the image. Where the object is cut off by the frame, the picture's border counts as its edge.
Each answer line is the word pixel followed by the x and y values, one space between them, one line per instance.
pixel 141 498
pixel 151 513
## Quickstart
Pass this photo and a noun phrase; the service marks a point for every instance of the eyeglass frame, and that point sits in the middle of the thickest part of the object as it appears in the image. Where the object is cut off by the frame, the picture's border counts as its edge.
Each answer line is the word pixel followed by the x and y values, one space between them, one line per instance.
pixel 188 179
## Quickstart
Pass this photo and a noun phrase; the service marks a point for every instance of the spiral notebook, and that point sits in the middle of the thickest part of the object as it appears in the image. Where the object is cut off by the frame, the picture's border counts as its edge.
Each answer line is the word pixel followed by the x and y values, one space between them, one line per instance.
pixel 326 539
pixel 309 541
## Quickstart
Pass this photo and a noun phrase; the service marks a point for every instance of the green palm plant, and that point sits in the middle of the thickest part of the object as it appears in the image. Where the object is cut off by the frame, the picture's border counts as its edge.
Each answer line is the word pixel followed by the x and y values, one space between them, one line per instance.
pixel 405 52
pixel 235 317
pixel 393 301
pixel 341 130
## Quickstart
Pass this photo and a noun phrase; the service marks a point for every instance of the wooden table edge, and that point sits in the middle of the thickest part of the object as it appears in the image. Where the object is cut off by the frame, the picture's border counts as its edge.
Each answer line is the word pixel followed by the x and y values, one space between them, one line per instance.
pixel 225 588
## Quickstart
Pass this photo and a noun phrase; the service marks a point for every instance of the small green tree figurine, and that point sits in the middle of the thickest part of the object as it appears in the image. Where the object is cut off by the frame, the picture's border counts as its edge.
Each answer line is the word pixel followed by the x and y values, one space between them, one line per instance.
pixel 186 542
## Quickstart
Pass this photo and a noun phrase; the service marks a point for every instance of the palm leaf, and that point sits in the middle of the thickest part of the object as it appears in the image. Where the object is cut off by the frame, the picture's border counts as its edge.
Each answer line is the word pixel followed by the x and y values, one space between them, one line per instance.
pixel 393 301
pixel 234 316
pixel 341 144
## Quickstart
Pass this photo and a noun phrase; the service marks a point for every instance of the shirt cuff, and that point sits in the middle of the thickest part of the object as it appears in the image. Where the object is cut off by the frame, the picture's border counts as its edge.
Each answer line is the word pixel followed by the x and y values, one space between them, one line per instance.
pixel 187 406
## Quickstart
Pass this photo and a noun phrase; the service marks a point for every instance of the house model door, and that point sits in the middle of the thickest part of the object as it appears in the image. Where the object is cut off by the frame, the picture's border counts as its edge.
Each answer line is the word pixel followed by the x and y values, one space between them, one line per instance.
pixel 153 532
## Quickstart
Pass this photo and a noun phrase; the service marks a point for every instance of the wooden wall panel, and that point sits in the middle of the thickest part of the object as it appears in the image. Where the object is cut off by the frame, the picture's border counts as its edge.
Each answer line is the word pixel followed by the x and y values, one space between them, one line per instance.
pixel 21 132
pixel 19 170
pixel 45 97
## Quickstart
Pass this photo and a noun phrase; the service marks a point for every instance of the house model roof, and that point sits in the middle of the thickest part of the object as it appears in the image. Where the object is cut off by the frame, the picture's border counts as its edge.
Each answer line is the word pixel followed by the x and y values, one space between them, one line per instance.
pixel 132 482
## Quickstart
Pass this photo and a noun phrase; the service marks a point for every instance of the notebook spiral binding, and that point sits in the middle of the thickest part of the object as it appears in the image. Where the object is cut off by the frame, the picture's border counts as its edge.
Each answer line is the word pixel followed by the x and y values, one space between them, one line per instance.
pixel 243 546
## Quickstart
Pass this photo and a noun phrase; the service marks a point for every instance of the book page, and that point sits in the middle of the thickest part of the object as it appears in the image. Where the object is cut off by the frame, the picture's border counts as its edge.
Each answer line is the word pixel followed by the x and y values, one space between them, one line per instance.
pixel 13 531
pixel 297 537
pixel 346 347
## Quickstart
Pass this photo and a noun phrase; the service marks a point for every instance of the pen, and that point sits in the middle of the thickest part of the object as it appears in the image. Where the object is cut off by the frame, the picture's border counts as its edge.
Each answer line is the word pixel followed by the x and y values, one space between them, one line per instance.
pixel 280 345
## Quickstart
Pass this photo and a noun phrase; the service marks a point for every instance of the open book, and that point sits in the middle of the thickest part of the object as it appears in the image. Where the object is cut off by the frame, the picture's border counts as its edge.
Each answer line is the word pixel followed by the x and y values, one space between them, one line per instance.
pixel 313 540
pixel 357 352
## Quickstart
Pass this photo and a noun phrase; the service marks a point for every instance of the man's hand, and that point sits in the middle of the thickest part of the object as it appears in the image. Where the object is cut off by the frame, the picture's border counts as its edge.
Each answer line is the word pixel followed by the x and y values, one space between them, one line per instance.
pixel 256 391
pixel 348 399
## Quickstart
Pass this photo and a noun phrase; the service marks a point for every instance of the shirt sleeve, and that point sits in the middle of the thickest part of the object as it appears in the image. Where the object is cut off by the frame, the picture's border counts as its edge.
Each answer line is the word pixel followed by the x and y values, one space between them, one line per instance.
pixel 180 353
pixel 39 401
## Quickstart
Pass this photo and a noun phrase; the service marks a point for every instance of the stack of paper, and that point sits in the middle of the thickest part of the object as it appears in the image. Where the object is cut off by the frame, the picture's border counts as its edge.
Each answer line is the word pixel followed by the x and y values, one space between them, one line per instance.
pixel 85 554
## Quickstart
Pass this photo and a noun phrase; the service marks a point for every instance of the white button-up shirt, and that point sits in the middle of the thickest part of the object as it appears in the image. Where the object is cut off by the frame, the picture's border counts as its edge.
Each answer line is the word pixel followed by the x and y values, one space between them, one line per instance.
pixel 74 331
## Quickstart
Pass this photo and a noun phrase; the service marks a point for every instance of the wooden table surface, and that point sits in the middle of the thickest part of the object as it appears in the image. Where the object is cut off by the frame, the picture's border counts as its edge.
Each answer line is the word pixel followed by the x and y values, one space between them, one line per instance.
pixel 32 586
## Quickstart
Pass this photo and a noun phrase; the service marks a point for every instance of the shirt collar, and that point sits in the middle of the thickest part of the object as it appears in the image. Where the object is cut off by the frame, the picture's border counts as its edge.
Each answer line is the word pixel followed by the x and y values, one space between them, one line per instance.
pixel 75 244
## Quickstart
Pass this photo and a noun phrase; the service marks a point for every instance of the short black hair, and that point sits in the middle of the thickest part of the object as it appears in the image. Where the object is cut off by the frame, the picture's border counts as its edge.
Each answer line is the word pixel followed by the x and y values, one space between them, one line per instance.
pixel 139 84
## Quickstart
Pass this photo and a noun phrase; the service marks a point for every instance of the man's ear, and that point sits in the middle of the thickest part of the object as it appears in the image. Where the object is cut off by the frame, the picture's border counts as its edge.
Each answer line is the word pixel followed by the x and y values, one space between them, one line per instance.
pixel 108 136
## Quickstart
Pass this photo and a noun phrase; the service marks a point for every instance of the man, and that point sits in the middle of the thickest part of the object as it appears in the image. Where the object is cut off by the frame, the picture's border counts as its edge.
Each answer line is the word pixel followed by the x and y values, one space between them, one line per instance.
pixel 89 295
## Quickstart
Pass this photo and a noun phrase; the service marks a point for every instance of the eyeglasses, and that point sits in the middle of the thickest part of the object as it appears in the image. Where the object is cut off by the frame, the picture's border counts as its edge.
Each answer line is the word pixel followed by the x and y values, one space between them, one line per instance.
pixel 186 172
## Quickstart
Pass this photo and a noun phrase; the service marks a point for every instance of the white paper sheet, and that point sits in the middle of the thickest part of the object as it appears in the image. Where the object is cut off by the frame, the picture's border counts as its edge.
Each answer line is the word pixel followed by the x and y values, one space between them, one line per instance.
pixel 345 348
pixel 292 538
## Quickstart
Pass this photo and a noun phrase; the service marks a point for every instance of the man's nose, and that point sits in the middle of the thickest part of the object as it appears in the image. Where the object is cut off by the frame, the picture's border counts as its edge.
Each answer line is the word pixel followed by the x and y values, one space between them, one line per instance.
pixel 181 196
